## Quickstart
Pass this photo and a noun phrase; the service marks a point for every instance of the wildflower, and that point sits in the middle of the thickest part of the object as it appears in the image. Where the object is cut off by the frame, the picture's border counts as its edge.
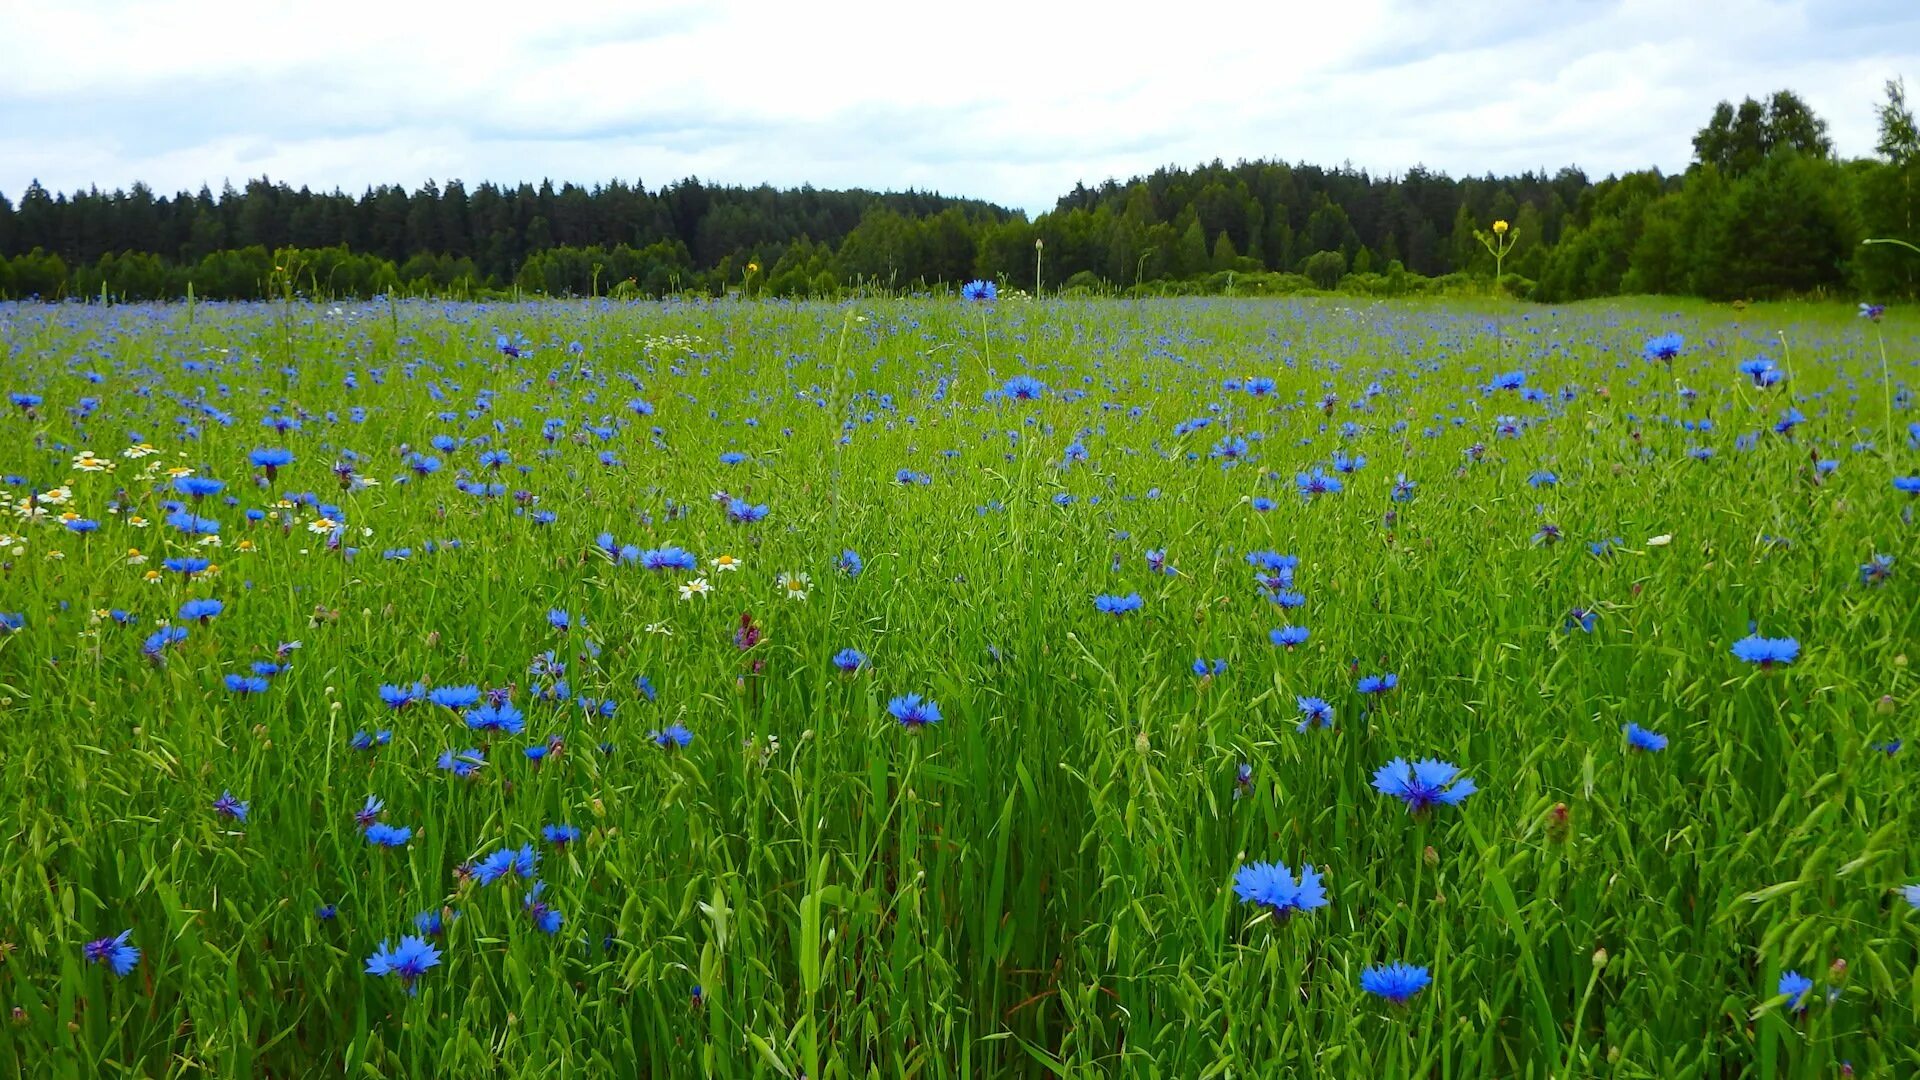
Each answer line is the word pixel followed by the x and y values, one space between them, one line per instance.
pixel 1583 618
pixel 1761 371
pixel 113 952
pixel 522 862
pixel 1794 986
pixel 245 684
pixel 1912 894
pixel 724 563
pixel 1640 738
pixel 1378 684
pixel 501 717
pixel 410 961
pixel 741 512
pixel 270 460
pixel 1396 982
pixel 1663 348
pixel 1313 711
pixel 795 585
pixel 400 696
pixel 850 563
pixel 913 711
pixel 1024 388
pixel 561 620
pixel 1403 489
pixel 460 763
pixel 1288 636
pixel 672 737
pixel 370 812
pixel 560 835
pixel 544 917
pixel 1205 671
pixel 231 807
pixel 433 923
pixel 1766 652
pixel 696 587
pixel 1274 887
pixel 381 834
pixel 1113 604
pixel 1423 784
pixel 1872 312
pixel 198 487
pixel 1908 484
pixel 326 912
pixel 85 461
pixel 1877 570
pixel 979 291
pixel 849 660
pixel 1316 482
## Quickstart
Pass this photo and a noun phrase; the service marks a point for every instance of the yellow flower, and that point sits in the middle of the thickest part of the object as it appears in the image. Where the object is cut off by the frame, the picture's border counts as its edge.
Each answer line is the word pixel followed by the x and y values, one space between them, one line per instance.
pixel 58 496
pixel 725 562
pixel 86 462
pixel 152 576
pixel 134 558
pixel 321 526
pixel 244 545
pixel 795 585
pixel 753 268
pixel 696 587
pixel 179 471
pixel 138 450
pixel 53 556
pixel 1499 228
pixel 137 521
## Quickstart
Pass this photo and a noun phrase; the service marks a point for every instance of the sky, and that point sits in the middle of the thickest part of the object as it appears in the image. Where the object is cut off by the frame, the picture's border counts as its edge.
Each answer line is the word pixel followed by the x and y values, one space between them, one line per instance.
pixel 1010 103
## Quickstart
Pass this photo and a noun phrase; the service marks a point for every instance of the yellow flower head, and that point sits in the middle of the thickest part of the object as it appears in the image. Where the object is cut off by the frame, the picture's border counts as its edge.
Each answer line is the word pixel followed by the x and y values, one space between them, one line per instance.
pixel 1500 228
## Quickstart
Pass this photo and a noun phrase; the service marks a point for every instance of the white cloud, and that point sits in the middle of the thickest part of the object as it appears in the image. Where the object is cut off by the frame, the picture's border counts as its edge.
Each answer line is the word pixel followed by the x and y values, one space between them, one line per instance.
pixel 1012 104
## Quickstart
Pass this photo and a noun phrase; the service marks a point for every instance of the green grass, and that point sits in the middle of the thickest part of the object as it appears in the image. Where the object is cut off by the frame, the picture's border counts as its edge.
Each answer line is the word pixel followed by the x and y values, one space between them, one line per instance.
pixel 1041 884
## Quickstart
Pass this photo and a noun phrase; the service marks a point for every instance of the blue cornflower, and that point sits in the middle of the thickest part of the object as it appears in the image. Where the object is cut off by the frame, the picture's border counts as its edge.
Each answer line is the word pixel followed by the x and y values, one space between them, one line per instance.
pixel 1581 618
pixel 1396 982
pixel 1313 711
pixel 1273 887
pixel 1912 894
pixel 1403 489
pixel 1203 670
pixel 522 862
pixel 1908 484
pixel 1423 784
pixel 433 923
pixel 270 460
pixel 560 835
pixel 454 697
pixel 158 641
pixel 979 291
pixel 544 917
pixel 198 487
pixel 502 717
pixel 1118 605
pixel 461 762
pixel 561 620
pixel 1761 371
pixel 850 563
pixel 1259 386
pixel 1023 388
pixel 913 711
pixel 1378 684
pixel 1795 986
pixel 203 610
pixel 668 558
pixel 1508 380
pixel 230 806
pixel 1603 549
pixel 1640 738
pixel 849 660
pixel 410 961
pixel 740 511
pixel 1316 482
pixel 381 834
pixel 114 952
pixel 81 525
pixel 1663 347
pixel 1542 478
pixel 671 737
pixel 494 459
pixel 246 684
pixel 370 812
pixel 1766 651
pixel 1287 598
pixel 326 912
pixel 732 457
pixel 1877 570
pixel 12 621
pixel 400 695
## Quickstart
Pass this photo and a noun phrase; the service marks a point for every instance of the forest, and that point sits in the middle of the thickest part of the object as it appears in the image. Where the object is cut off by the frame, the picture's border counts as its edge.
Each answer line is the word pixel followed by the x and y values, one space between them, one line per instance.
pixel 1765 209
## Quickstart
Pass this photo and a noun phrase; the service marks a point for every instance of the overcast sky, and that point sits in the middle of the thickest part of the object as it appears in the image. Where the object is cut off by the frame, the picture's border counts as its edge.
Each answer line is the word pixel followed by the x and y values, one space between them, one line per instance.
pixel 1009 102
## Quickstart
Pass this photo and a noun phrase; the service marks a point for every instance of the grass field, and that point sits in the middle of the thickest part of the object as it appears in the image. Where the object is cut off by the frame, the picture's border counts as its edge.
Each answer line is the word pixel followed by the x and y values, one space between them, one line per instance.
pixel 780 867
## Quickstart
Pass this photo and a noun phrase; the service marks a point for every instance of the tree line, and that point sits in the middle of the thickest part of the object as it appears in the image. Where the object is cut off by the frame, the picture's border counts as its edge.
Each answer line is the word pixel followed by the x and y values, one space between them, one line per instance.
pixel 1765 209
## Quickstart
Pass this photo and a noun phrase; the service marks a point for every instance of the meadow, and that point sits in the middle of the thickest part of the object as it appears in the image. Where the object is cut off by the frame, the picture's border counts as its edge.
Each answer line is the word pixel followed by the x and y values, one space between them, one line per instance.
pixel 958 687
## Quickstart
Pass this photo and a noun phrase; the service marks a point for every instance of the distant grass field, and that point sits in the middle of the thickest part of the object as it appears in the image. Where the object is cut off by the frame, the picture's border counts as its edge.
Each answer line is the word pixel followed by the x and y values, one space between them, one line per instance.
pixel 1542 532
